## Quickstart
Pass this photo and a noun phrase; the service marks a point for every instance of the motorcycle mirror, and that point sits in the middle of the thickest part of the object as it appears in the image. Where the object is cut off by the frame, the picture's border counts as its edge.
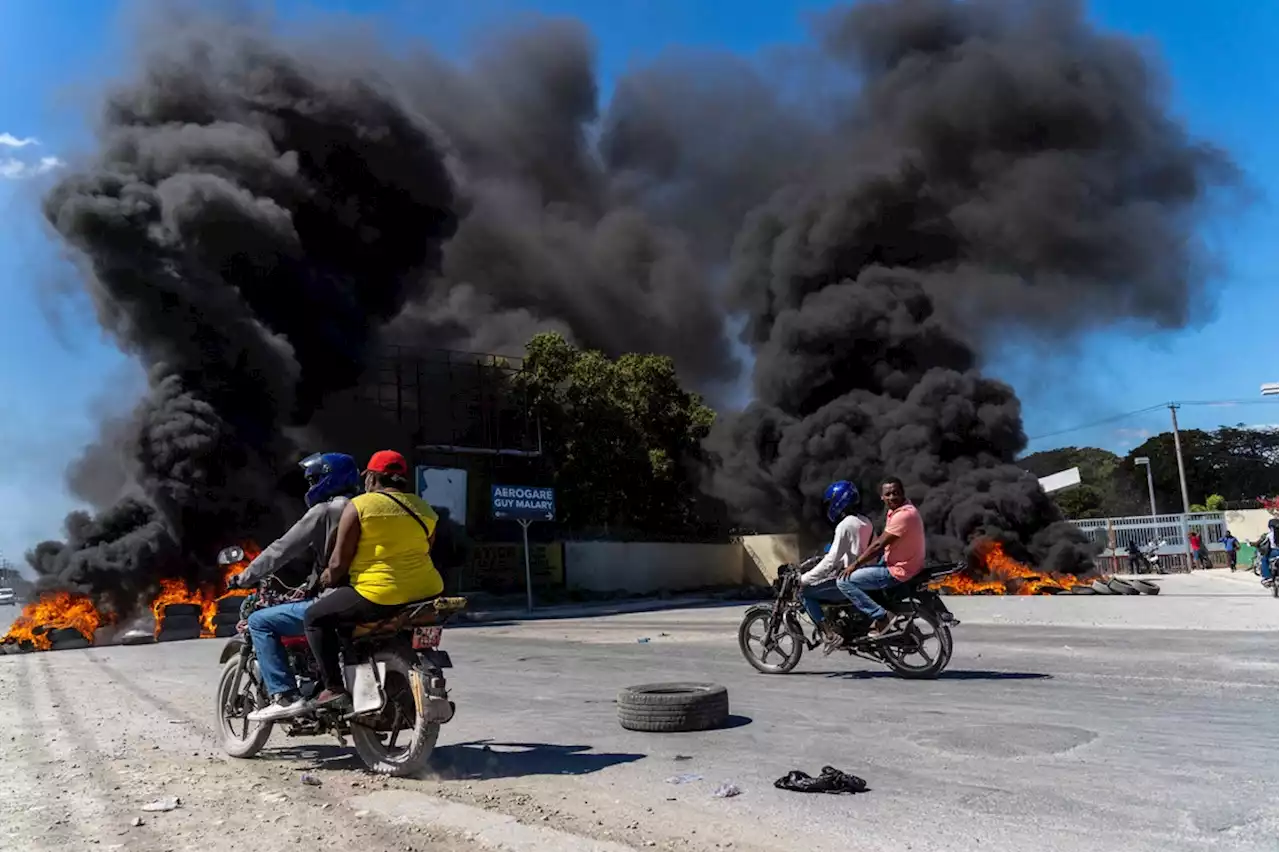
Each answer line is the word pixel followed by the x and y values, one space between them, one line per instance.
pixel 230 555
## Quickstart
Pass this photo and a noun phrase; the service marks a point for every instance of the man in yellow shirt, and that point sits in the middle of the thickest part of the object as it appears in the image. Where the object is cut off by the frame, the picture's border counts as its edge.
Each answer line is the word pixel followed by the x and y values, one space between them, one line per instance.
pixel 380 562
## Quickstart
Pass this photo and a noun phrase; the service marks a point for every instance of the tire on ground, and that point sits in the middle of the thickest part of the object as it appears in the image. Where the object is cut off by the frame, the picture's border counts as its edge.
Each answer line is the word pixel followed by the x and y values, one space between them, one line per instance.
pixel 232 618
pixel 182 609
pixel 1145 586
pixel 670 707
pixel 180 622
pixel 178 634
pixel 231 604
pixel 70 644
pixel 61 635
pixel 224 631
pixel 1123 587
pixel 139 638
pixel 1083 590
pixel 1101 588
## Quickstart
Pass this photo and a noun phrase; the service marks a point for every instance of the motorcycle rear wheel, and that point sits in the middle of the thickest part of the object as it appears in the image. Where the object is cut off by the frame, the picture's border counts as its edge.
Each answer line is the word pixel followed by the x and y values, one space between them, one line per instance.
pixel 749 642
pixel 240 737
pixel 382 757
pixel 895 653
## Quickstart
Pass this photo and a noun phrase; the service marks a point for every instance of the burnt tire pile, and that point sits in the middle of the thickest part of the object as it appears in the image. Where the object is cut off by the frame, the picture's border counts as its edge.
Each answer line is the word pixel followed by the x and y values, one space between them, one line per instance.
pixel 671 707
pixel 1116 586
pixel 227 616
pixel 179 622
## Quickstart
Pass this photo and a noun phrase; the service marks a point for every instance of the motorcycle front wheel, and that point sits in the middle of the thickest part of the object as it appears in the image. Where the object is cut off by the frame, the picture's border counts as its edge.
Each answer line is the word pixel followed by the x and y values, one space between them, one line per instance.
pixel 922 651
pixel 786 645
pixel 240 737
pixel 398 740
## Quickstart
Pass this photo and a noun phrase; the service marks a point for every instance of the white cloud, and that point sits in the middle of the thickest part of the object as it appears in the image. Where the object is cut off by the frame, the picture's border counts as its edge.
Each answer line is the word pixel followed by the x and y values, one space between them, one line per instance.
pixel 8 140
pixel 15 169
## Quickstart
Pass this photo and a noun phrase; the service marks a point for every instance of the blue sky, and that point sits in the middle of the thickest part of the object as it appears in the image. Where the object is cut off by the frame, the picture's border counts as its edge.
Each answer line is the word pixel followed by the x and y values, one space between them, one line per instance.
pixel 58 374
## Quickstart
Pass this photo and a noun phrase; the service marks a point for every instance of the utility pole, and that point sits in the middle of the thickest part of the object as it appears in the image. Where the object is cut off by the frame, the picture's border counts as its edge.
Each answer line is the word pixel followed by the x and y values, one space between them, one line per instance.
pixel 1177 449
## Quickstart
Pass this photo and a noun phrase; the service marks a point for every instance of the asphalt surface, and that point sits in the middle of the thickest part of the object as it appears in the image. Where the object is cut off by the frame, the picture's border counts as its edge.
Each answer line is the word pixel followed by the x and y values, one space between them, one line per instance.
pixel 1048 735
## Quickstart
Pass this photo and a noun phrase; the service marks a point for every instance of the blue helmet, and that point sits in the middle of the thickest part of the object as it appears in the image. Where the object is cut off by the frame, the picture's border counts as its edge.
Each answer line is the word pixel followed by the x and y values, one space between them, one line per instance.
pixel 840 497
pixel 329 475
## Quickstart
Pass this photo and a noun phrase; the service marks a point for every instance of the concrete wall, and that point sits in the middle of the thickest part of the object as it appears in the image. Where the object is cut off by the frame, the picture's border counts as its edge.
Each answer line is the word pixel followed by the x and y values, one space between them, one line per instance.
pixel 1247 524
pixel 762 554
pixel 604 566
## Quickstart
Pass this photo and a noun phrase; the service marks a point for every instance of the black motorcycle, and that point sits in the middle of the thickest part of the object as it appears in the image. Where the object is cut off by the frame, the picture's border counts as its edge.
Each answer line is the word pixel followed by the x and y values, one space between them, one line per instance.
pixel 773 637
pixel 394 672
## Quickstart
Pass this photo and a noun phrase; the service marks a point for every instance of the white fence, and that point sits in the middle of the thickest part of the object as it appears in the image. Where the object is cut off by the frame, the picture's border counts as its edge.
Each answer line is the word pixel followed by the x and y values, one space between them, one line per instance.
pixel 1115 535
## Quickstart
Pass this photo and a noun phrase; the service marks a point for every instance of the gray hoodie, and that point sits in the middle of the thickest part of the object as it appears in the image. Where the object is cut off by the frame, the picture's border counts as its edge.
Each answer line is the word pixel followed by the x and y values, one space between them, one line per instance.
pixel 309 541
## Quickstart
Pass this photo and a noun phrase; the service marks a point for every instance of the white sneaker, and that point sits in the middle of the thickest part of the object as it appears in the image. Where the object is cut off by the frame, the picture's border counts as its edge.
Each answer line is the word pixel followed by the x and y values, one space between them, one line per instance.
pixel 280 708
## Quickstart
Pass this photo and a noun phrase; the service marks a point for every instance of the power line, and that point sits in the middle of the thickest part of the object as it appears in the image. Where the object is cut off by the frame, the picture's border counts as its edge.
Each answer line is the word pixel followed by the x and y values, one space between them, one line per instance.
pixel 1118 417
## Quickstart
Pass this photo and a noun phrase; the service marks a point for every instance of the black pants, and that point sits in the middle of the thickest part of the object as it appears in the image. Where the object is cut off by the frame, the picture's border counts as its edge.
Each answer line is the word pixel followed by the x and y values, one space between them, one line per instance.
pixel 343 608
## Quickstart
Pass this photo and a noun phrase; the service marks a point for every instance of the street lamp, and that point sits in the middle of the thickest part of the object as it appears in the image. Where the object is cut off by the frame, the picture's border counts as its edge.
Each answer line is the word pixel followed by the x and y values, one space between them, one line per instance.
pixel 1151 489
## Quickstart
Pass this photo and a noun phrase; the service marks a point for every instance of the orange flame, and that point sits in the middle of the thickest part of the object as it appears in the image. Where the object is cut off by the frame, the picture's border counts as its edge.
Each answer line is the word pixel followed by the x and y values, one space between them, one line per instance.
pixel 1004 575
pixel 206 597
pixel 53 611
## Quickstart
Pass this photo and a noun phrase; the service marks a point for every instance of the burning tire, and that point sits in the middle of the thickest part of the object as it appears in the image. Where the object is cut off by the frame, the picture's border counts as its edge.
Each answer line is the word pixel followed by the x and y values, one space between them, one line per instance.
pixel 671 707
pixel 224 631
pixel 1083 590
pixel 138 637
pixel 180 623
pixel 232 618
pixel 1101 588
pixel 181 609
pixel 230 605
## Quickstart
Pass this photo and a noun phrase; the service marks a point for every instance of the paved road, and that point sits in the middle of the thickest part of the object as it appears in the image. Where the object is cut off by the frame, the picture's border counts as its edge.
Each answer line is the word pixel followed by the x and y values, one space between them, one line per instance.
pixel 1051 737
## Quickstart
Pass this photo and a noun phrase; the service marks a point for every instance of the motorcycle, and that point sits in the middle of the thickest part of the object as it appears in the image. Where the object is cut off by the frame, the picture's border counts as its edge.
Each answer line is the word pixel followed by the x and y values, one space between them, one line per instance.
pixel 922 626
pixel 394 675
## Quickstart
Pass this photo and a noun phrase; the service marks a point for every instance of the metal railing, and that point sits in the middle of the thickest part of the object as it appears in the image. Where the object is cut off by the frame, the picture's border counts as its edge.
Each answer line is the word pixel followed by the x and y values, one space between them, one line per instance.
pixel 1170 532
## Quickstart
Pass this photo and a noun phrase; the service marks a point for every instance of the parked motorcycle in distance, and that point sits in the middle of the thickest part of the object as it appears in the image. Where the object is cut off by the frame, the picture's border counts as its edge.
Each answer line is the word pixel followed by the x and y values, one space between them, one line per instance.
pixel 919 647
pixel 394 673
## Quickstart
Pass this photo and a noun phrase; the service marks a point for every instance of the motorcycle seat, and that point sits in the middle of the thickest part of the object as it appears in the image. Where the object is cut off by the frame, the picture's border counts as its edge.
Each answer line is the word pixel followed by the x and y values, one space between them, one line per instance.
pixel 424 613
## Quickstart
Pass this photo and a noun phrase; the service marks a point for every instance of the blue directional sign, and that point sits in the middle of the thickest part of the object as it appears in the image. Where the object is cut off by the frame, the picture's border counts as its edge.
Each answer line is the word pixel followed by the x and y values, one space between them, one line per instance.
pixel 522 503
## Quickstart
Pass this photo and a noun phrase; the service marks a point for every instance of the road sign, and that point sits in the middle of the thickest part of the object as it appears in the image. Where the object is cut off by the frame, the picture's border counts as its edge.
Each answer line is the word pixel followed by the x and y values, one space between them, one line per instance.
pixel 522 503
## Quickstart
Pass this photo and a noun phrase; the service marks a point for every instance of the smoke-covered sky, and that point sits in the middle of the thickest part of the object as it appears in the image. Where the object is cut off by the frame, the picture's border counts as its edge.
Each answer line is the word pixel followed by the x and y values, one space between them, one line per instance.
pixel 943 179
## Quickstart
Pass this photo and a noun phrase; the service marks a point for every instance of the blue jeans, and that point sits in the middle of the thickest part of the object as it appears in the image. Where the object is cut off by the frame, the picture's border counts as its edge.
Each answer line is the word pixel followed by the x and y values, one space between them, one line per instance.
pixel 819 593
pixel 1265 564
pixel 867 579
pixel 266 626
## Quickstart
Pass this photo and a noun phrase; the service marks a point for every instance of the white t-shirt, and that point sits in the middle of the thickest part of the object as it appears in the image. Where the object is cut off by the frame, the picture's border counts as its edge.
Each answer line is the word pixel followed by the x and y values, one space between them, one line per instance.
pixel 853 534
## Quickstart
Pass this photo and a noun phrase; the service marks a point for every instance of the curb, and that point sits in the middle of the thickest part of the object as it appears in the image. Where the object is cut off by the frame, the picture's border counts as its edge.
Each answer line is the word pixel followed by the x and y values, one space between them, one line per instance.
pixel 588 611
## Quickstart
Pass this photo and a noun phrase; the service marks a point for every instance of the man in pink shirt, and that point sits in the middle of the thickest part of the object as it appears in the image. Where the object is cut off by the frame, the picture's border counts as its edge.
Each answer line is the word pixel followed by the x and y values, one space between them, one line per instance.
pixel 902 543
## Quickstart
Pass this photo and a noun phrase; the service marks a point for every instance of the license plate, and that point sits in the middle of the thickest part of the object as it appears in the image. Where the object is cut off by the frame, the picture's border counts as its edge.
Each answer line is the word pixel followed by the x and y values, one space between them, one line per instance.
pixel 426 638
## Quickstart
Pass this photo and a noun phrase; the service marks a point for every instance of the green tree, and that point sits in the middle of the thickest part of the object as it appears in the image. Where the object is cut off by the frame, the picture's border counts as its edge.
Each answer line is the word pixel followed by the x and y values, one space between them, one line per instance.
pixel 1235 462
pixel 621 438
pixel 1104 490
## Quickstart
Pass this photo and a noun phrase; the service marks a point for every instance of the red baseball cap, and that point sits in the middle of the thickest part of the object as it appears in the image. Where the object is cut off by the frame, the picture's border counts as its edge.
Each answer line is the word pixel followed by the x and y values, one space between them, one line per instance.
pixel 387 461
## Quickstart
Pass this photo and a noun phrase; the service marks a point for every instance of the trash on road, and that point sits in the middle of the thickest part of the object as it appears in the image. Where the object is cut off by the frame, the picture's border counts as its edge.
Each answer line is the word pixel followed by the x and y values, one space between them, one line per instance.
pixel 310 780
pixel 644 640
pixel 683 757
pixel 168 803
pixel 727 791
pixel 831 780
pixel 137 822
pixel 683 779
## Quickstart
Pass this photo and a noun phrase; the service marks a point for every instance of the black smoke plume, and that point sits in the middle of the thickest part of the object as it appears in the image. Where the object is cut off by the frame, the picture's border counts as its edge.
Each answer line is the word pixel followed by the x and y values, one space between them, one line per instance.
pixel 928 179
pixel 249 222
pixel 1003 168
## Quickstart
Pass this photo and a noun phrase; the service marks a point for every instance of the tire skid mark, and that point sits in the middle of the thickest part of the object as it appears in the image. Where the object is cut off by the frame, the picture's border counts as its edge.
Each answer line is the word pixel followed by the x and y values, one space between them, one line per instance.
pixel 24 798
pixel 79 800
pixel 158 711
